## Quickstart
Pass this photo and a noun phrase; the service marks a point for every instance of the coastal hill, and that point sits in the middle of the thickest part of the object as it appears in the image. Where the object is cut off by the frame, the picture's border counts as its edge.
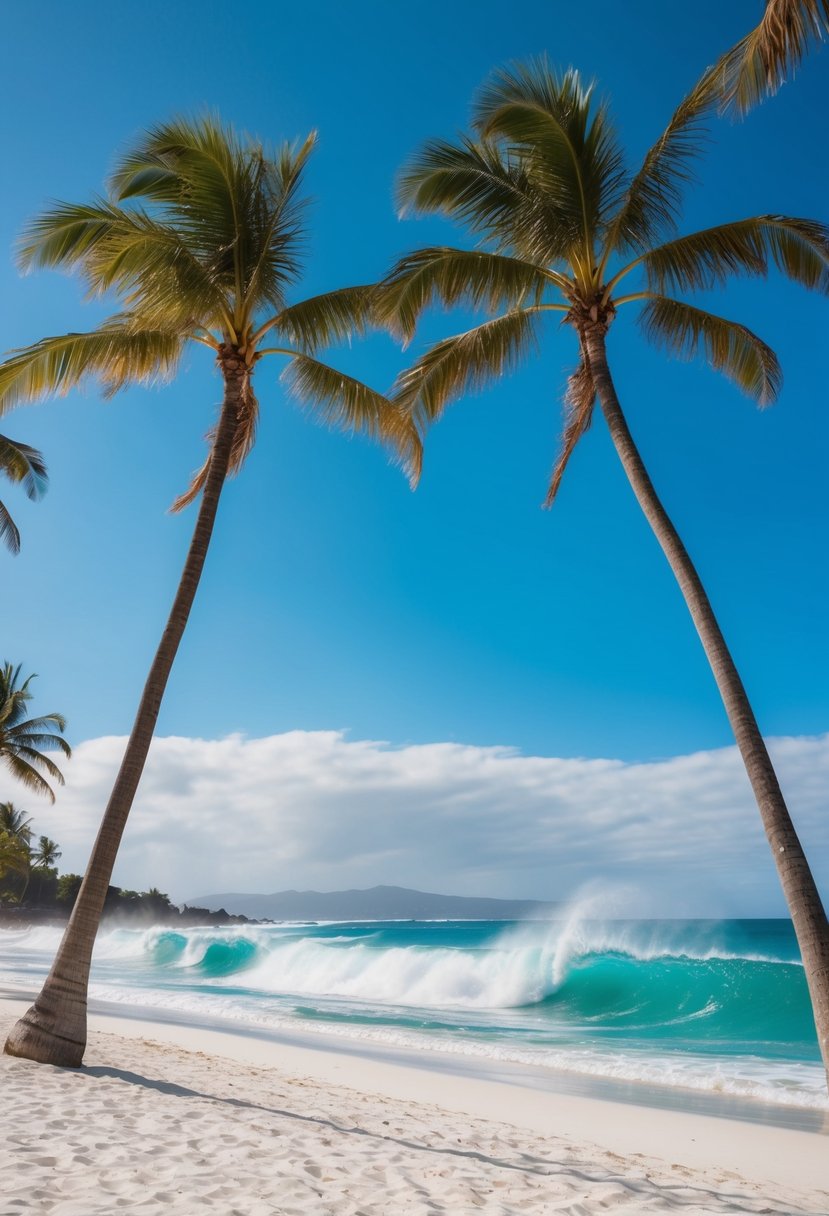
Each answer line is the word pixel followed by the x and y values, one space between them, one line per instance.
pixel 376 903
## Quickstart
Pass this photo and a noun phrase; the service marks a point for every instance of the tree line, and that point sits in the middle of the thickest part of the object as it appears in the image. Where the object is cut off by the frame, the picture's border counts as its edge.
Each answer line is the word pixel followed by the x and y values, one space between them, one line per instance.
pixel 31 887
pixel 198 238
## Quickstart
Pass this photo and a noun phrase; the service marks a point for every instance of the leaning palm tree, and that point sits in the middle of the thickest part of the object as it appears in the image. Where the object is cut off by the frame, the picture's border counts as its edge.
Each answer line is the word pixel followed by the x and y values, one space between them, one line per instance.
pixel 23 464
pixel 23 740
pixel 199 239
pixel 759 63
pixel 561 226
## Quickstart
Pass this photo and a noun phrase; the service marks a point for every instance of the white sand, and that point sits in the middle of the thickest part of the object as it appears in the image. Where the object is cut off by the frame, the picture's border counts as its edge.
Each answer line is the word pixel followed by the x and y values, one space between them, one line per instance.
pixel 169 1119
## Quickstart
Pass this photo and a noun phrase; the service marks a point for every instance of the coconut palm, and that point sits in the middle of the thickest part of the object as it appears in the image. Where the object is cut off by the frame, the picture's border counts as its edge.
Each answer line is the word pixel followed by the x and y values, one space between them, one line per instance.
pixel 760 62
pixel 47 854
pixel 20 463
pixel 199 238
pixel 23 740
pixel 561 225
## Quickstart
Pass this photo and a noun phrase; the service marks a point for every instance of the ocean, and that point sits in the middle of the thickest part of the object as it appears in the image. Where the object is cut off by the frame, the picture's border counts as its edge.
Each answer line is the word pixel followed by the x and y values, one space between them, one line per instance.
pixel 715 1006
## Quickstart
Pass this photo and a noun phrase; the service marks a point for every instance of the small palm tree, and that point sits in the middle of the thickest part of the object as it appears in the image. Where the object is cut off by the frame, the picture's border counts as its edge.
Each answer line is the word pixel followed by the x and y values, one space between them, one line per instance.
pixel 23 464
pixel 760 62
pixel 23 740
pixel 47 854
pixel 561 225
pixel 199 239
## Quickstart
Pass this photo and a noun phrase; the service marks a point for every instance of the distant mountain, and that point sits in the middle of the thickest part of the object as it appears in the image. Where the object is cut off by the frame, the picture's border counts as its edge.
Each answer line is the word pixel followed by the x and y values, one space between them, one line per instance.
pixel 377 903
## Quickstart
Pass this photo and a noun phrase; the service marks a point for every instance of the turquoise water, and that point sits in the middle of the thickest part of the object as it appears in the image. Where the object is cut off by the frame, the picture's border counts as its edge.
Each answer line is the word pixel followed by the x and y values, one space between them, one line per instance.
pixel 718 1006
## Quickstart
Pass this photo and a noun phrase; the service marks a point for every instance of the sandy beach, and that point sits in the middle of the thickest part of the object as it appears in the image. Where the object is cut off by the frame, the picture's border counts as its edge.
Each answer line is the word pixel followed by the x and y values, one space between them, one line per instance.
pixel 168 1118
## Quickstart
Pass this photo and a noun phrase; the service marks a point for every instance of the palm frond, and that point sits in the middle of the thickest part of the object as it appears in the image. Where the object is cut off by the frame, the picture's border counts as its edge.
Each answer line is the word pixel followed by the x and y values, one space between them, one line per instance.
pixel 759 64
pixel 27 774
pixel 127 251
pixel 341 401
pixel 9 532
pixel 24 464
pixel 273 222
pixel 334 316
pixel 233 201
pixel 464 363
pixel 684 331
pixel 455 276
pixel 651 203
pixel 571 154
pixel 113 354
pixel 579 399
pixel 474 182
pixel 798 248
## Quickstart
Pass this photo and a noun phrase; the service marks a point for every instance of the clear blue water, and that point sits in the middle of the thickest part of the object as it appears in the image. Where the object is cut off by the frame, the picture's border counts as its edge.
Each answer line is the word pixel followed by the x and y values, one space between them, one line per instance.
pixel 717 1006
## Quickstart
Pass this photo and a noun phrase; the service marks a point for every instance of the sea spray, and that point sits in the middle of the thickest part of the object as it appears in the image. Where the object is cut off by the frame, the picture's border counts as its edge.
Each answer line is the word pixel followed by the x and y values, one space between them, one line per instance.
pixel 718 1006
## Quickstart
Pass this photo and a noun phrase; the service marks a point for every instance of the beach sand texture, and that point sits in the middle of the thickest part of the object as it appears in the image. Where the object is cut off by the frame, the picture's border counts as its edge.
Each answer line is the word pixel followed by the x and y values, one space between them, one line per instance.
pixel 147 1126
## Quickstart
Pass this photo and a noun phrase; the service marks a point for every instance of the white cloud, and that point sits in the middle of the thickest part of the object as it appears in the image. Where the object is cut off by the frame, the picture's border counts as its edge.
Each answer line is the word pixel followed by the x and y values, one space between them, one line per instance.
pixel 314 809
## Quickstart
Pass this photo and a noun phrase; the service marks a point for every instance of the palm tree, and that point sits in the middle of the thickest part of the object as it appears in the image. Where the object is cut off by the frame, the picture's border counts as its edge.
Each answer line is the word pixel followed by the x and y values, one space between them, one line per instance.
pixel 47 854
pixel 21 463
pixel 23 740
pixel 561 225
pixel 759 63
pixel 199 239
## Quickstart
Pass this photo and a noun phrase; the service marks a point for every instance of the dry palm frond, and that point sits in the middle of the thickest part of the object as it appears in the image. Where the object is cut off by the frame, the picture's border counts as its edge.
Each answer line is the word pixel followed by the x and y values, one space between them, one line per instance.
pixel 579 399
pixel 758 65
pixel 244 438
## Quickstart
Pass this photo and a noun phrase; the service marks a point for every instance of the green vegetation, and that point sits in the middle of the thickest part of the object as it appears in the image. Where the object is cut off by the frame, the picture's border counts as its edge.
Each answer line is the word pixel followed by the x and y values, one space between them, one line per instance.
pixel 32 889
pixel 560 225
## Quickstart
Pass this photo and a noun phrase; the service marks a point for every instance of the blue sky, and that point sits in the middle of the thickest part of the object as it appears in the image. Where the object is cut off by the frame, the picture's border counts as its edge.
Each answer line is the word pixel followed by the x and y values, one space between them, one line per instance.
pixel 334 598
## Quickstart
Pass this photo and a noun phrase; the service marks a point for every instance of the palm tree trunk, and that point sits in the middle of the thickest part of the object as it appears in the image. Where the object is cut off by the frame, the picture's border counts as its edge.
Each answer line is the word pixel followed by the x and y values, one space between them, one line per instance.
pixel 53 1030
pixel 802 896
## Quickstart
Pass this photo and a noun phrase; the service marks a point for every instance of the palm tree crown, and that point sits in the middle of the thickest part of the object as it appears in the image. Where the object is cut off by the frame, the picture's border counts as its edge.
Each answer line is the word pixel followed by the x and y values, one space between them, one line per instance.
pixel 23 740
pixel 561 225
pixel 199 238
pixel 23 464
pixel 47 853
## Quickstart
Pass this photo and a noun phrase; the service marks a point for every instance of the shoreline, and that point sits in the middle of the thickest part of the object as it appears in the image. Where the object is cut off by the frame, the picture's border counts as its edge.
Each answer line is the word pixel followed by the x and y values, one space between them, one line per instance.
pixel 611 1138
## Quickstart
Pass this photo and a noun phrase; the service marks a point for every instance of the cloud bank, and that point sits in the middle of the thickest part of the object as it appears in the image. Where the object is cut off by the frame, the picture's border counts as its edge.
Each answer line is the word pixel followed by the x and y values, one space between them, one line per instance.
pixel 314 809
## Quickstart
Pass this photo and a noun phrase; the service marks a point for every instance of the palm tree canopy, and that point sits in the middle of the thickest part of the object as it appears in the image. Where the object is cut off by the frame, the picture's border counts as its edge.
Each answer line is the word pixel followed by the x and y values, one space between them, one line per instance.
pixel 23 740
pixel 23 464
pixel 14 822
pixel 760 62
pixel 199 238
pixel 560 224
